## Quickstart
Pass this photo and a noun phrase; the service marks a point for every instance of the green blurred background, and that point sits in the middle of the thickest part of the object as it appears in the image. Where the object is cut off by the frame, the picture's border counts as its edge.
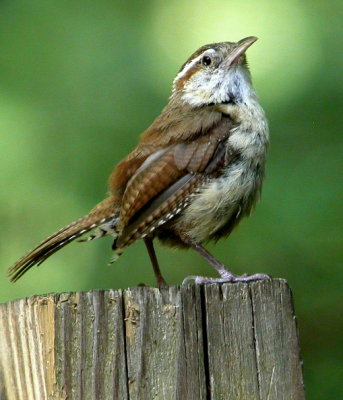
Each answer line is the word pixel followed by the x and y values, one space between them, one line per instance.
pixel 80 80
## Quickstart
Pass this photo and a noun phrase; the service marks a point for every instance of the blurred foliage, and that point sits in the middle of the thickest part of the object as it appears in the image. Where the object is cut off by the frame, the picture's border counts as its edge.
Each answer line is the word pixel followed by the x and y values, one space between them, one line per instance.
pixel 79 80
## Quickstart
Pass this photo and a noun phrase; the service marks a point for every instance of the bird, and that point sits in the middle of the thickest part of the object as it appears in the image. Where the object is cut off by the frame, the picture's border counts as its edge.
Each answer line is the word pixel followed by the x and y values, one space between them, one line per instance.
pixel 195 173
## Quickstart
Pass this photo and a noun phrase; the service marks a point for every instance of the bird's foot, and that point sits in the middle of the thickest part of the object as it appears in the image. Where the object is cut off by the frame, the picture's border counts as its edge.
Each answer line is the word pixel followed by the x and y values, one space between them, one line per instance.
pixel 161 283
pixel 225 276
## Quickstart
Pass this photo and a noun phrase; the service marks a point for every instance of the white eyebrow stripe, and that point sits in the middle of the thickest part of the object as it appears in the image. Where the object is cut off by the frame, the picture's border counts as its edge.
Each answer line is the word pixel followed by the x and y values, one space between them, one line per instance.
pixel 190 65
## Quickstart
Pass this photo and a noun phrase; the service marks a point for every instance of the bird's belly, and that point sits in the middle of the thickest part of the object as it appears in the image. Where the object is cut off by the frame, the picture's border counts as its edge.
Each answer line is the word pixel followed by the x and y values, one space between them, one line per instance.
pixel 223 198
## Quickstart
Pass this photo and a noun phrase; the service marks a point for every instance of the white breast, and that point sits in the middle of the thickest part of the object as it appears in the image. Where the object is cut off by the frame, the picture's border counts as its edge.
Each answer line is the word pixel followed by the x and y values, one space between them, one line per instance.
pixel 236 191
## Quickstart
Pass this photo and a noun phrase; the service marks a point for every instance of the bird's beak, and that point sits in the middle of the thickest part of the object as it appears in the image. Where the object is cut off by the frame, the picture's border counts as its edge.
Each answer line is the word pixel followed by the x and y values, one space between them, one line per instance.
pixel 240 48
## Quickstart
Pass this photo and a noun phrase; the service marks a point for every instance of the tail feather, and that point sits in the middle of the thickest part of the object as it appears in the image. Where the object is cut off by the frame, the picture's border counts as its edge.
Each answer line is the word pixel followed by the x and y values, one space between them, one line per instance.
pixel 56 241
pixel 107 228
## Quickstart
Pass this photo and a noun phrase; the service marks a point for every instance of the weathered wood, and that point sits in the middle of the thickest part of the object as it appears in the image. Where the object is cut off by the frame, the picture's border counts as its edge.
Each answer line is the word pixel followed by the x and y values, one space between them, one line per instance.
pixel 252 342
pixel 231 341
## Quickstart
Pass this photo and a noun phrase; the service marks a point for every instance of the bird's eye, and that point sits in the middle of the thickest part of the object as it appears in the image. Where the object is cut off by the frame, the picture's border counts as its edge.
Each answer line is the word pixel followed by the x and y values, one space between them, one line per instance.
pixel 206 60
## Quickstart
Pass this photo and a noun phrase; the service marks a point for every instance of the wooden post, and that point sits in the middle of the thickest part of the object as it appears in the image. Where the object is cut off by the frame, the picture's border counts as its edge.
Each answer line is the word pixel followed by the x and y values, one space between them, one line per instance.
pixel 218 342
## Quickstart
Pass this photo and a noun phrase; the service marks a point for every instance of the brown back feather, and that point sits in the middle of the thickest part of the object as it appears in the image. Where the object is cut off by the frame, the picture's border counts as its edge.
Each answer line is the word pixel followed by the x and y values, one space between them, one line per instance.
pixel 161 190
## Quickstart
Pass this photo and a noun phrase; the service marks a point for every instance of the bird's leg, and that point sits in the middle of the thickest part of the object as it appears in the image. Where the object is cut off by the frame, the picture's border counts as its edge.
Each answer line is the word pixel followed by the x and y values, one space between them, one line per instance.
pixel 225 275
pixel 158 275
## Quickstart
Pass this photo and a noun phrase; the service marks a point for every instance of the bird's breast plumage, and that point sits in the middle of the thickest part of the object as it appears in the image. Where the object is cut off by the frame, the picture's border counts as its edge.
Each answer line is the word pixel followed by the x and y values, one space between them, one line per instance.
pixel 222 201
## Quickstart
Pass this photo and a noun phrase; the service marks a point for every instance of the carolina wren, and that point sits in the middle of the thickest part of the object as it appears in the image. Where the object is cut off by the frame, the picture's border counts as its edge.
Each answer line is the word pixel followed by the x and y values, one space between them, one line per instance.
pixel 197 170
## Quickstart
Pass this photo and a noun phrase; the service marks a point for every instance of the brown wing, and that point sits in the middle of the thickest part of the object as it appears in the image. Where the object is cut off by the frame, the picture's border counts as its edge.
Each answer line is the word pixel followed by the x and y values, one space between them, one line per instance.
pixel 127 168
pixel 178 123
pixel 161 186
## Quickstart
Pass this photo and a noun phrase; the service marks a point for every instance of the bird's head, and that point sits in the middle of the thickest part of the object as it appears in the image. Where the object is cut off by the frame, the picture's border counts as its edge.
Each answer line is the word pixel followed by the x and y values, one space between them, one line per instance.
pixel 216 74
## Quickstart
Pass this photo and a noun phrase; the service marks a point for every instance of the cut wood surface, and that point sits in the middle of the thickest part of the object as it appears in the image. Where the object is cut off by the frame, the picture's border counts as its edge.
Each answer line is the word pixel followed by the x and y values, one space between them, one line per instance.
pixel 214 342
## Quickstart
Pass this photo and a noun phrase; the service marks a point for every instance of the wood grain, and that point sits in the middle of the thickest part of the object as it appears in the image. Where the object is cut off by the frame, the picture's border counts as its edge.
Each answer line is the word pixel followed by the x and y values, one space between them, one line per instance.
pixel 230 341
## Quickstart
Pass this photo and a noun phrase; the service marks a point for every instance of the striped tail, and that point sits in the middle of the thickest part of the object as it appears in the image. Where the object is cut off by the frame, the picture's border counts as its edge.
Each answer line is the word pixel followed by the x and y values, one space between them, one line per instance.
pixel 105 219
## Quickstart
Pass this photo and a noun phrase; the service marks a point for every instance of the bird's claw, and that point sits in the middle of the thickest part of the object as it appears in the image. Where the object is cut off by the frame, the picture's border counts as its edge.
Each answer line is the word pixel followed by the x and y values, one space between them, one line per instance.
pixel 225 276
